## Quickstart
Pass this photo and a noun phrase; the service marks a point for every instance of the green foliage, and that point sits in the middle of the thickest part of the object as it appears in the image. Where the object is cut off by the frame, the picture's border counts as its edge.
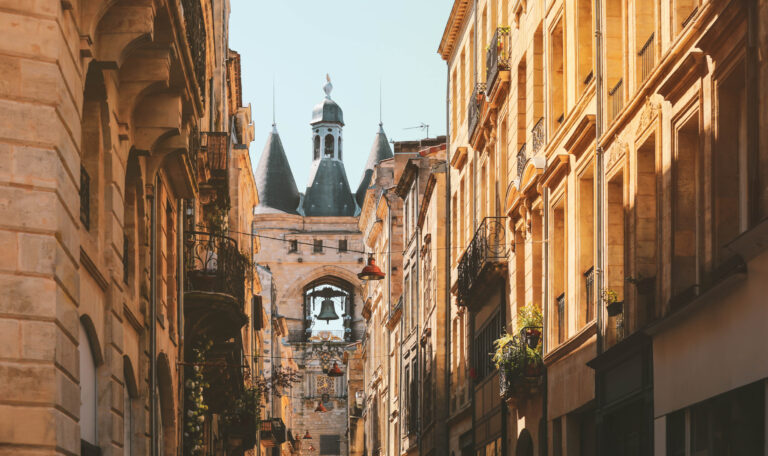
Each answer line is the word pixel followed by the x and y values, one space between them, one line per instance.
pixel 196 409
pixel 609 296
pixel 529 315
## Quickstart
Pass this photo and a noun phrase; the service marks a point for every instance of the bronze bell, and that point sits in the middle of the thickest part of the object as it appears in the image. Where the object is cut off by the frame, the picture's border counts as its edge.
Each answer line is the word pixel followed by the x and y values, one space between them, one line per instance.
pixel 327 311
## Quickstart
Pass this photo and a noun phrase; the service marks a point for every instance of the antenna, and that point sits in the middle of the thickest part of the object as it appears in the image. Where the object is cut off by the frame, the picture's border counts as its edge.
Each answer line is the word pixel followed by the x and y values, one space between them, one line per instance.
pixel 422 126
pixel 273 101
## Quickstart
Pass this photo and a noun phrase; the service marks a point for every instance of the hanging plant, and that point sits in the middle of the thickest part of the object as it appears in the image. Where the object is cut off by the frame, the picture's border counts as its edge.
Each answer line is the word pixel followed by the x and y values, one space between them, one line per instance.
pixel 612 303
pixel 519 359
pixel 195 386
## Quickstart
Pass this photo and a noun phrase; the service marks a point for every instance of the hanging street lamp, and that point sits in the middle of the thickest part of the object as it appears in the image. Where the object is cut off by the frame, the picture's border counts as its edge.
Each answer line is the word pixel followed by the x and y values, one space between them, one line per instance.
pixel 307 436
pixel 371 271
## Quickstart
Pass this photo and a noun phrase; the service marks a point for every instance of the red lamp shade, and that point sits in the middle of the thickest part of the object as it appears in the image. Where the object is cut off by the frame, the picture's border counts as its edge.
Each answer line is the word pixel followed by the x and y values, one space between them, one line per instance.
pixel 307 436
pixel 335 371
pixel 320 407
pixel 371 271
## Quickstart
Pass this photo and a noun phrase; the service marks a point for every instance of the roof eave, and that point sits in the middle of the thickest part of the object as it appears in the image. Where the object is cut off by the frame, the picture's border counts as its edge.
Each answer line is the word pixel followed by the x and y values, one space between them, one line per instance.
pixel 455 22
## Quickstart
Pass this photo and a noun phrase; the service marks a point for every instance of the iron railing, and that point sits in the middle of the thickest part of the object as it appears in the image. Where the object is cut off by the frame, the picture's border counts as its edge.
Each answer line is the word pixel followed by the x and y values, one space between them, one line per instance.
pixel 690 17
pixel 616 99
pixel 497 57
pixel 482 348
pixel 214 264
pixel 193 151
pixel 273 432
pixel 647 58
pixel 216 144
pixel 488 247
pixel 522 159
pixel 589 294
pixel 85 198
pixel 538 139
pixel 196 37
pixel 473 108
pixel 560 318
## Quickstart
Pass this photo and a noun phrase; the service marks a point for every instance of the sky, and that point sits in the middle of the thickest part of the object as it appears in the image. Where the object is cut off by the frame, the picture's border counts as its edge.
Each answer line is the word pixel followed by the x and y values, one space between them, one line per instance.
pixel 361 44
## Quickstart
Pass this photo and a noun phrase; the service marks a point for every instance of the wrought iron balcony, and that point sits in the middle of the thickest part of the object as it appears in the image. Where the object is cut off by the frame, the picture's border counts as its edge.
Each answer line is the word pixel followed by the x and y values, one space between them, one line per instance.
pixel 522 159
pixel 589 293
pixel 486 252
pixel 538 139
pixel 473 108
pixel 214 265
pixel 196 37
pixel 616 99
pixel 647 57
pixel 272 432
pixel 497 57
pixel 216 145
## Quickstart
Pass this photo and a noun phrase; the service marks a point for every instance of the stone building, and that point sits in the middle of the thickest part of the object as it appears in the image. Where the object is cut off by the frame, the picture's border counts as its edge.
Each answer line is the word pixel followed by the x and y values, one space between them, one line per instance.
pixel 311 252
pixel 121 162
pixel 608 169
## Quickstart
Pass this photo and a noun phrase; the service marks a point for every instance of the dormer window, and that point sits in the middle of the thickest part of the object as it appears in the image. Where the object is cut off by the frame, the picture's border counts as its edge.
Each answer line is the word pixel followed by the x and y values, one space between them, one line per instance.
pixel 328 151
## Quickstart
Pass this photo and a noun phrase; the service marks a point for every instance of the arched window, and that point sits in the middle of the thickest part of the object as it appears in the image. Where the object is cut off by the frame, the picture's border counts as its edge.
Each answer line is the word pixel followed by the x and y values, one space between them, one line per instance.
pixel 316 149
pixel 328 310
pixel 328 151
pixel 88 388
pixel 340 148
pixel 130 391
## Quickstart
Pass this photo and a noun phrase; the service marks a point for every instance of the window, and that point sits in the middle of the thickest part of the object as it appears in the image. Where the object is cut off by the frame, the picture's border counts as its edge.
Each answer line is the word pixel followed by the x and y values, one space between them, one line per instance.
pixel 85 198
pixel 557 77
pixel 406 302
pixel 316 149
pixel 615 271
pixel 614 57
pixel 330 444
pixel 329 297
pixel 585 36
pixel 318 246
pixel 406 412
pixel 413 397
pixel 483 346
pixel 328 150
pixel 340 148
pixel 88 389
pixel 170 265
pixel 685 205
pixel 558 270
pixel 646 245
pixel 731 192
pixel 684 12
pixel 293 246
pixel 342 245
pixel 586 243
pixel 522 121
pixel 414 295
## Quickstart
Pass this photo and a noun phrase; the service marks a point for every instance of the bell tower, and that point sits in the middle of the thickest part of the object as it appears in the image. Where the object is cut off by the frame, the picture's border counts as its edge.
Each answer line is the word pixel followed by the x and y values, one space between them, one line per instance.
pixel 327 124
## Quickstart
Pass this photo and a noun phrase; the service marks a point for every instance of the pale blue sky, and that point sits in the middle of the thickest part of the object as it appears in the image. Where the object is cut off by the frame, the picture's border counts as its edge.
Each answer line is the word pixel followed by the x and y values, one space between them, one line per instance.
pixel 359 43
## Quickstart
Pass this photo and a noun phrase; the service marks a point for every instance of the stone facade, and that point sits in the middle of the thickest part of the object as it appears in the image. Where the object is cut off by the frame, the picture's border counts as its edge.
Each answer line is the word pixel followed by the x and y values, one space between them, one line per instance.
pixel 103 177
pixel 597 133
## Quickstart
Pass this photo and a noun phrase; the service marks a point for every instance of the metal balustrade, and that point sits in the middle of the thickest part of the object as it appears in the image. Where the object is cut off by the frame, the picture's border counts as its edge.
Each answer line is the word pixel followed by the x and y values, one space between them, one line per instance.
pixel 522 159
pixel 647 57
pixel 616 99
pixel 538 138
pixel 497 56
pixel 488 247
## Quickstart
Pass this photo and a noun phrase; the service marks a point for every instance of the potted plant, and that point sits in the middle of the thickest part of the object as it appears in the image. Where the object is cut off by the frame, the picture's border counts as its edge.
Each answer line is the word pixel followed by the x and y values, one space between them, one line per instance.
pixel 612 303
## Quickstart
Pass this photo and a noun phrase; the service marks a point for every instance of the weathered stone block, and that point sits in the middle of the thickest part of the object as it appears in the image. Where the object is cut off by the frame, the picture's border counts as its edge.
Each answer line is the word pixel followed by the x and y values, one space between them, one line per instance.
pixel 36 253
pixel 32 296
pixel 9 338
pixel 35 380
pixel 38 340
pixel 15 426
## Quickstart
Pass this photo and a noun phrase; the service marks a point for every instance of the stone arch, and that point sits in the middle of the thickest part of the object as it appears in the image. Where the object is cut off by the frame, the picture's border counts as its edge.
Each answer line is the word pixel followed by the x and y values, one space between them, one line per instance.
pixel 130 377
pixel 341 292
pixel 524 444
pixel 93 339
pixel 166 402
pixel 324 271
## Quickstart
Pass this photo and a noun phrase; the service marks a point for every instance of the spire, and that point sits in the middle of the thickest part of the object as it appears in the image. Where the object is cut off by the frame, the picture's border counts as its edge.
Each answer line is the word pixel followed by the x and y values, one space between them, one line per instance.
pixel 274 179
pixel 379 151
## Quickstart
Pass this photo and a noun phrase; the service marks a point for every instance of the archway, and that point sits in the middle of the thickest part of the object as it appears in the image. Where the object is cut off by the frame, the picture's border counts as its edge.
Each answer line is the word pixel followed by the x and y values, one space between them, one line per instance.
pixel 524 444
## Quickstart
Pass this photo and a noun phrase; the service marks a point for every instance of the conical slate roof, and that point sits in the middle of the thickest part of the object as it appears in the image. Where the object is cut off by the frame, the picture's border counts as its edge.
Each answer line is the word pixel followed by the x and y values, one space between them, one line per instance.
pixel 274 179
pixel 379 151
pixel 328 193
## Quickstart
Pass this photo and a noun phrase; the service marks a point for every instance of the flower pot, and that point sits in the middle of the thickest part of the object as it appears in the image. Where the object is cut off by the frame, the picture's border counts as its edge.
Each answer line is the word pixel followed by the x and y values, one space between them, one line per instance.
pixel 615 308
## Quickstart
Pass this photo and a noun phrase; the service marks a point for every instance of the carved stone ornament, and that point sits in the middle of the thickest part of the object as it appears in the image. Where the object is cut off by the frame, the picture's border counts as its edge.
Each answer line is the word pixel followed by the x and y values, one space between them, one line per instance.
pixel 617 151
pixel 649 113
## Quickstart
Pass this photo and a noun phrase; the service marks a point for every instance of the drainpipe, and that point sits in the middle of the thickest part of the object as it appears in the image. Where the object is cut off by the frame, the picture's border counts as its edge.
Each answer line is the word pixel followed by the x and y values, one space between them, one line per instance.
pixel 545 307
pixel 389 312
pixel 599 198
pixel 447 368
pixel 153 316
pixel 599 277
pixel 180 306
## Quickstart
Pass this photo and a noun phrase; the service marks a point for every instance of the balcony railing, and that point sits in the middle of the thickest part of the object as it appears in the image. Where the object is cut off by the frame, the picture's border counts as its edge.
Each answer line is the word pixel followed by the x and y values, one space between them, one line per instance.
pixel 497 57
pixel 488 248
pixel 196 37
pixel 589 293
pixel 473 108
pixel 216 145
pixel 616 99
pixel 214 264
pixel 522 159
pixel 560 302
pixel 272 432
pixel 193 151
pixel 538 139
pixel 647 58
